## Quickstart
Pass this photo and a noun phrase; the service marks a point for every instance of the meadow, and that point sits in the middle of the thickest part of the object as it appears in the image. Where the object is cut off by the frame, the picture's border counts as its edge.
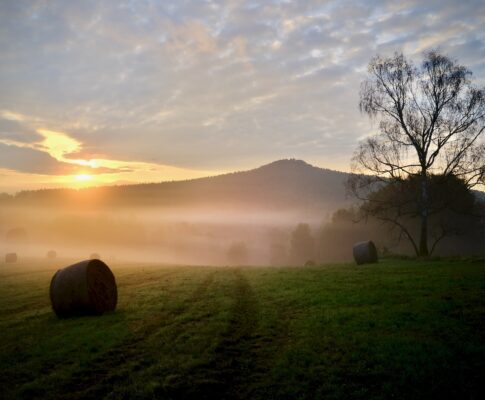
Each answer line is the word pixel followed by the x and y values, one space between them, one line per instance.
pixel 398 329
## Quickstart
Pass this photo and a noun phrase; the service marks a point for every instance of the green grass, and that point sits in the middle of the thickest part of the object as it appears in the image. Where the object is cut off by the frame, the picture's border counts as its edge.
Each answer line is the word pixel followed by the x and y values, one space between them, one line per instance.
pixel 399 329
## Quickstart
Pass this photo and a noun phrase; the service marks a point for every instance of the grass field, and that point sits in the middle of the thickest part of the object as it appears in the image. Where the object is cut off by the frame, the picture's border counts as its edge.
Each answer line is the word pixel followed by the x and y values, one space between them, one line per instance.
pixel 399 329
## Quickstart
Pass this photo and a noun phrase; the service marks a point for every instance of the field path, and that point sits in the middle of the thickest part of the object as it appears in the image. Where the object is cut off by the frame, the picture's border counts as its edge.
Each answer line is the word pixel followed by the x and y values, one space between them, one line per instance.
pixel 233 356
pixel 242 356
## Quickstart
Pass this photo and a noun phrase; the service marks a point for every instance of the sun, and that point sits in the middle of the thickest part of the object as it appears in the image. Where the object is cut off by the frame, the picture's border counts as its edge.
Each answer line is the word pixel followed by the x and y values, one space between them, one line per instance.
pixel 83 178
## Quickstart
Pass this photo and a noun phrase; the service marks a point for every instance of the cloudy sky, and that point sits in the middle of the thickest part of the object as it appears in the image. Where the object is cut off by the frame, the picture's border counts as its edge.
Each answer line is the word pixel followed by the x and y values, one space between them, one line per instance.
pixel 95 92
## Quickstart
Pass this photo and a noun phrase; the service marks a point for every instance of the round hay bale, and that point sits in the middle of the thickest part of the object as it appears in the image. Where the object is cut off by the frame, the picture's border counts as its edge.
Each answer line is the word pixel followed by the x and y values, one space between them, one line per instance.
pixel 11 258
pixel 51 254
pixel 365 252
pixel 310 263
pixel 85 288
pixel 94 256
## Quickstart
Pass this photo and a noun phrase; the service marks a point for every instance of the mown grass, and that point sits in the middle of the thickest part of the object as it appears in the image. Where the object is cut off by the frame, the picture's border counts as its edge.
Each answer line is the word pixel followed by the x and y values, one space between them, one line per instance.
pixel 398 329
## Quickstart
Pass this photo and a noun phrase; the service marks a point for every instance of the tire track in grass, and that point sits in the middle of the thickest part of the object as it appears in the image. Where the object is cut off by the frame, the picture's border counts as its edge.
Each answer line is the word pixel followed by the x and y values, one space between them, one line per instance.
pixel 115 366
pixel 233 359
pixel 234 356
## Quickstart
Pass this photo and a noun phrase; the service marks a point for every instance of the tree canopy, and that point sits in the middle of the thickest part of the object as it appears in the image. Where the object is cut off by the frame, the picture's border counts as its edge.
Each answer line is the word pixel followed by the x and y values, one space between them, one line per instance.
pixel 430 118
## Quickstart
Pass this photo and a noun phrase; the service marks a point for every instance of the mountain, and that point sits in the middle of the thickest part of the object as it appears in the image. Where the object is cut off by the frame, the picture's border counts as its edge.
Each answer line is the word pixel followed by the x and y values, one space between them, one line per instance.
pixel 283 184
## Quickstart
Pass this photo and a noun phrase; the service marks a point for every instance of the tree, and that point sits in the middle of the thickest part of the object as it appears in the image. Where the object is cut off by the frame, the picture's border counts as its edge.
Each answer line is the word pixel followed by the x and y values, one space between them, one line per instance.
pixel 336 237
pixel 452 207
pixel 431 119
pixel 302 244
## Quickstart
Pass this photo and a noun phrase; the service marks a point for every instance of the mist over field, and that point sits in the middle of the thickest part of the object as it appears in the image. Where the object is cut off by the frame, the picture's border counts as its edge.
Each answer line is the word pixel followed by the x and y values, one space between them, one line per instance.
pixel 286 212
pixel 234 219
pixel 173 236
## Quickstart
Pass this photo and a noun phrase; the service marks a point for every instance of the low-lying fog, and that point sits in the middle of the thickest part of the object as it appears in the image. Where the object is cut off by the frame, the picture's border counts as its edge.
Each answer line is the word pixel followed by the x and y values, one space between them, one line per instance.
pixel 201 237
pixel 210 236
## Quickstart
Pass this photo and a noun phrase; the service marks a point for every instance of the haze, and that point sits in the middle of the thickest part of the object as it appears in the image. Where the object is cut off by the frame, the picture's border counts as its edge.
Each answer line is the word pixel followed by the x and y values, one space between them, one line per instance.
pixel 241 218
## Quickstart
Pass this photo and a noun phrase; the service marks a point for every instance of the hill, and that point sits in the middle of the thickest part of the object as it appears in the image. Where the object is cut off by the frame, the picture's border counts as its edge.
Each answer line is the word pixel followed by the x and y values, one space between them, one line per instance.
pixel 284 184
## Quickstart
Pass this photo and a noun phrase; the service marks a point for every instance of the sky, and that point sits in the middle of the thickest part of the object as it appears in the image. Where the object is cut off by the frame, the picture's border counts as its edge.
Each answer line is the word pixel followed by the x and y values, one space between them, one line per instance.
pixel 116 92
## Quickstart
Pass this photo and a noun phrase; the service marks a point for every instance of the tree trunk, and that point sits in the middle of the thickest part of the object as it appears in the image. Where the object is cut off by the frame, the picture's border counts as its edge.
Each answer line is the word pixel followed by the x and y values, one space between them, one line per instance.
pixel 423 239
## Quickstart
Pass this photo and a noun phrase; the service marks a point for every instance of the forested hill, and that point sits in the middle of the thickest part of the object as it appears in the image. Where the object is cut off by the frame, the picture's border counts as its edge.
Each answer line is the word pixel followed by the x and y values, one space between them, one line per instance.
pixel 281 184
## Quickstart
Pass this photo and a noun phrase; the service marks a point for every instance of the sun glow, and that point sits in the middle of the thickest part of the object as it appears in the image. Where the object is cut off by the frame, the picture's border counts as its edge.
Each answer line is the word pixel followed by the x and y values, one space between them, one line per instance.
pixel 105 171
pixel 83 178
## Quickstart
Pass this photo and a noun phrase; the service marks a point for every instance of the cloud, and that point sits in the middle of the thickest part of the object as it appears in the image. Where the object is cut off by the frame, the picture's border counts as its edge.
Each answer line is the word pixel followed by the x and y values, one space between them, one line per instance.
pixel 58 154
pixel 58 144
pixel 15 131
pixel 23 159
pixel 178 83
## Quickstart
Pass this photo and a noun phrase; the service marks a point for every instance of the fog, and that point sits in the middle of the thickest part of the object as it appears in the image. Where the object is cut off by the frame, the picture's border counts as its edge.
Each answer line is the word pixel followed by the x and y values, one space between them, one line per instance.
pixel 207 236
pixel 175 236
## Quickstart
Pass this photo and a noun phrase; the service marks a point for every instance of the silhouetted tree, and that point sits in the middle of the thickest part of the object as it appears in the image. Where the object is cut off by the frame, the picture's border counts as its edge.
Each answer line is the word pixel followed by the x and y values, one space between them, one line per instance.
pixel 302 244
pixel 450 207
pixel 336 237
pixel 278 242
pixel 430 121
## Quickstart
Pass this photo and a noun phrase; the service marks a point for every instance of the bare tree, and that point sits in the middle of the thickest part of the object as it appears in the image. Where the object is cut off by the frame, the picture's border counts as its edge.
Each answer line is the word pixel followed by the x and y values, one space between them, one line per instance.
pixel 430 119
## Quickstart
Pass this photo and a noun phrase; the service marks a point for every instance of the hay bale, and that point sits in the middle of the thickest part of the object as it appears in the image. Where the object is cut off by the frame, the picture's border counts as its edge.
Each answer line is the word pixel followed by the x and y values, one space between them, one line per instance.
pixel 85 288
pixel 95 256
pixel 11 258
pixel 51 254
pixel 365 252
pixel 310 263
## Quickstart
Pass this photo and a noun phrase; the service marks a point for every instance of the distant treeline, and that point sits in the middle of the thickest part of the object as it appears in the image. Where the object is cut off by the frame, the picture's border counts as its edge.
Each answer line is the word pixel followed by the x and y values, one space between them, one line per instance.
pixel 333 241
pixel 282 184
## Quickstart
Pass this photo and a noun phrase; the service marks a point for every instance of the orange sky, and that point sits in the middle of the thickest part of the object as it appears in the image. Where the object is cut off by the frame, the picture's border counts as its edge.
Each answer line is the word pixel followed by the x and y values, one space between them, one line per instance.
pixel 87 172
